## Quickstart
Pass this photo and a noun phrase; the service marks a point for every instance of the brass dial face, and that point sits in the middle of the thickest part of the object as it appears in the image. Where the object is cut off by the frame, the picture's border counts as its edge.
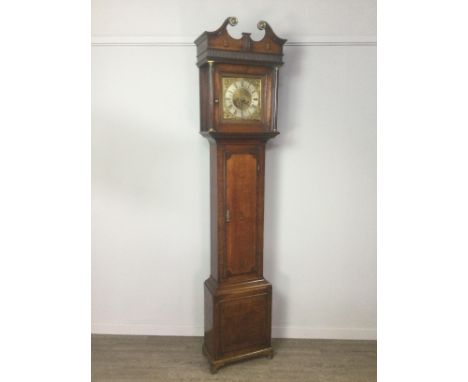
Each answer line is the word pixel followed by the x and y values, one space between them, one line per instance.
pixel 242 98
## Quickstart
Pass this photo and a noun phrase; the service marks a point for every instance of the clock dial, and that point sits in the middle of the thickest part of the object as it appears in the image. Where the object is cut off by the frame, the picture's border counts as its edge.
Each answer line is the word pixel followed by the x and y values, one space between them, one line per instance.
pixel 242 98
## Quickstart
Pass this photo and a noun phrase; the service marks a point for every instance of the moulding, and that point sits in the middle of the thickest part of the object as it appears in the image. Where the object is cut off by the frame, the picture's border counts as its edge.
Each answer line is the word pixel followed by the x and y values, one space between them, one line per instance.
pixel 277 331
pixel 170 41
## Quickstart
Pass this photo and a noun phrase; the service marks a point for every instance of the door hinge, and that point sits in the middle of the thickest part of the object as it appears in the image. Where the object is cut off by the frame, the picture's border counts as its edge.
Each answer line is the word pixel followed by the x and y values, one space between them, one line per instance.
pixel 228 216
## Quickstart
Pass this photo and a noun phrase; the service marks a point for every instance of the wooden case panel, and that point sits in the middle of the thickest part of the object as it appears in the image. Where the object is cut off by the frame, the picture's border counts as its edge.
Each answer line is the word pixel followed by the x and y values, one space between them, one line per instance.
pixel 241 203
pixel 245 323
pixel 242 189
pixel 204 112
pixel 209 321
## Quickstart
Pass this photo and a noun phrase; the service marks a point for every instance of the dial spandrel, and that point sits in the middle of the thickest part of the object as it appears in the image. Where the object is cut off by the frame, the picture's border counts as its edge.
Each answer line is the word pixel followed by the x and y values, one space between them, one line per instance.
pixel 241 98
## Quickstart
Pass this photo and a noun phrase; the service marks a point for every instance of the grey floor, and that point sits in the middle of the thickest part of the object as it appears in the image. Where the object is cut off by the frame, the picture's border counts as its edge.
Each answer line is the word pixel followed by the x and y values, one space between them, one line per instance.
pixel 158 358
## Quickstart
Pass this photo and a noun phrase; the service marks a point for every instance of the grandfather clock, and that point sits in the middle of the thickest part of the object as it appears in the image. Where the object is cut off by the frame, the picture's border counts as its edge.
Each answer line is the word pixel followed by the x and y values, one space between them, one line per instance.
pixel 238 115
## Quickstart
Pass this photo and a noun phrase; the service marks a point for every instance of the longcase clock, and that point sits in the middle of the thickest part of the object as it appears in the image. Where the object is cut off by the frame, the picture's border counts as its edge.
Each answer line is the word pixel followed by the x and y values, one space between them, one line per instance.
pixel 238 110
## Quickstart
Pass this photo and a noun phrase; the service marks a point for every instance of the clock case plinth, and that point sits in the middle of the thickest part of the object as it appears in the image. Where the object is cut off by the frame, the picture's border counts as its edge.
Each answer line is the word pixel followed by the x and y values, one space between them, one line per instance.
pixel 238 299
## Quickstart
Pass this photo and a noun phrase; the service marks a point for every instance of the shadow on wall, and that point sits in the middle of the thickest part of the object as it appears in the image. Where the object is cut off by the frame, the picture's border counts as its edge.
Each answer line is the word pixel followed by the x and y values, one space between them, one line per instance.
pixel 286 122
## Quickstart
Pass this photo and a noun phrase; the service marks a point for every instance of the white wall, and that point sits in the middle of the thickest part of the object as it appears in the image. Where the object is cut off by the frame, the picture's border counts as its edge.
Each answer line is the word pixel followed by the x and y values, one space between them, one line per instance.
pixel 150 167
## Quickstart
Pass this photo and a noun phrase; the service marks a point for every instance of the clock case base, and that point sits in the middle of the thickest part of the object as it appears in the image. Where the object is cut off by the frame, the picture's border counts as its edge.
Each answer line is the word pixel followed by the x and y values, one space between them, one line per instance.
pixel 216 365
pixel 237 322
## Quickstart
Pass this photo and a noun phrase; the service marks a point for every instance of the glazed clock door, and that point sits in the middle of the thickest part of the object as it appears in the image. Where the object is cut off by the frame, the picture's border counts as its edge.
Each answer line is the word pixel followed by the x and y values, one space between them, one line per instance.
pixel 244 211
pixel 242 98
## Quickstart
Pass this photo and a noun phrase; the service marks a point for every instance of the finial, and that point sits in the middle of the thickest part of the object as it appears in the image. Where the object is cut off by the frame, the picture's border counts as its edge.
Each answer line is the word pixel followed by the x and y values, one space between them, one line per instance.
pixel 261 25
pixel 232 20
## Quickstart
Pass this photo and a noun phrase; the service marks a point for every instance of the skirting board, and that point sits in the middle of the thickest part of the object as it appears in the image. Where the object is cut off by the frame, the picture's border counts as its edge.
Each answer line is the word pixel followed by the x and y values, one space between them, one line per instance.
pixel 277 331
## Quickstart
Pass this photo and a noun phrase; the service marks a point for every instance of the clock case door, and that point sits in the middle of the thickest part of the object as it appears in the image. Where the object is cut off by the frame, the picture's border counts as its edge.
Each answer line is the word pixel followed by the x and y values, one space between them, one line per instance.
pixel 242 71
pixel 240 188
